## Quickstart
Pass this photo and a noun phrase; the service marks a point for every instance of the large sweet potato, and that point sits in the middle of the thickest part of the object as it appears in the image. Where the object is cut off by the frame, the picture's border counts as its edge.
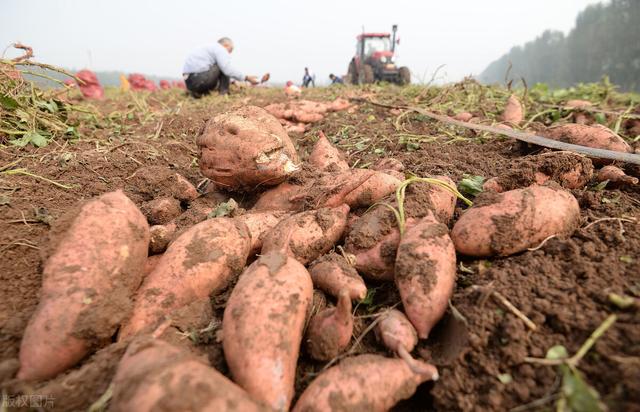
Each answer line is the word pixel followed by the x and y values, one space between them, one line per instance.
pixel 307 235
pixel 597 136
pixel 263 325
pixel 369 383
pixel 154 375
pixel 425 272
pixel 87 285
pixel 332 274
pixel 246 148
pixel 197 264
pixel 510 222
pixel 325 156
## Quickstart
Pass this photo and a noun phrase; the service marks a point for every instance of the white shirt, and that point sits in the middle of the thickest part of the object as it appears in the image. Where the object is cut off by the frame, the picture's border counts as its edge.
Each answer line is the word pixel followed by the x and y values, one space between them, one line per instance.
pixel 201 59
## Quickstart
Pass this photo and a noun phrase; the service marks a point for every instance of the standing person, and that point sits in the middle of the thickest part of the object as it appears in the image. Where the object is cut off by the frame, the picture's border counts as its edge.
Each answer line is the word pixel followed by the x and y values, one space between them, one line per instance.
pixel 335 79
pixel 309 78
pixel 209 68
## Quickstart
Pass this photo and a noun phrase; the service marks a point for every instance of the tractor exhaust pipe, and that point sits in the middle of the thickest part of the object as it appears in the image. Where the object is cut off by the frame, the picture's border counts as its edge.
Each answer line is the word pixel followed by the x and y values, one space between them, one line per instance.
pixel 394 28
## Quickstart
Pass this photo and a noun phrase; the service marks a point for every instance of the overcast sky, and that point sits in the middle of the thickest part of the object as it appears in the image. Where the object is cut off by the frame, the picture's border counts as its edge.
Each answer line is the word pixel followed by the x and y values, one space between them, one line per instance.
pixel 277 36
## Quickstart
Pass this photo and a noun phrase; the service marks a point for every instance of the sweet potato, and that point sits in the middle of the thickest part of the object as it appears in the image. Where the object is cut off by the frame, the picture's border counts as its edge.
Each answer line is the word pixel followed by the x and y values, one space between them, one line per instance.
pixel 578 103
pixel 332 274
pixel 308 235
pixel 183 189
pixel 259 225
pixel 263 325
pixel 161 210
pixel 463 116
pixel 325 156
pixel 615 176
pixel 154 375
pixel 425 273
pixel 363 383
pixel 570 170
pixel 339 104
pixel 388 163
pixel 161 235
pixel 513 111
pixel 398 334
pixel 596 136
pixel 246 148
pixel 88 283
pixel 279 198
pixel 159 181
pixel 329 331
pixel 198 263
pixel 151 263
pixel 510 222
pixel 372 190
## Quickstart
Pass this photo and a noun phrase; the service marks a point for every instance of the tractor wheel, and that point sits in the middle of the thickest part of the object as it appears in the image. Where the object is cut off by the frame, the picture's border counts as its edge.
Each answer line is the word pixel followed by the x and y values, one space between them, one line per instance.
pixel 352 73
pixel 405 75
pixel 367 74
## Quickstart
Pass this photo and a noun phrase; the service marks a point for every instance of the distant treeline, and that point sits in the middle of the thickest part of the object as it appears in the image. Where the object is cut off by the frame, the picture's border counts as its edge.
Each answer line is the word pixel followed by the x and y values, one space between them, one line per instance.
pixel 605 41
pixel 106 78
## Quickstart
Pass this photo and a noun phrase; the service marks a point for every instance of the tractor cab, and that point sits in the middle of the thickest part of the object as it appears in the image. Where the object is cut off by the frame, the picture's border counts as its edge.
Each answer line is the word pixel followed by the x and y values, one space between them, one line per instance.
pixel 374 60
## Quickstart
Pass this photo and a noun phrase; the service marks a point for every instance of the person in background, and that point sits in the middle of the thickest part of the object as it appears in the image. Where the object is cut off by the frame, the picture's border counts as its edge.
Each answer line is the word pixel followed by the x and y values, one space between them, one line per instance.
pixel 209 68
pixel 309 78
pixel 335 79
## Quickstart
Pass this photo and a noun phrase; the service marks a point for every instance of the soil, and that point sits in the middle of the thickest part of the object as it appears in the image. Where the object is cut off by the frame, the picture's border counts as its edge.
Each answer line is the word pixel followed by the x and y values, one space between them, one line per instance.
pixel 562 286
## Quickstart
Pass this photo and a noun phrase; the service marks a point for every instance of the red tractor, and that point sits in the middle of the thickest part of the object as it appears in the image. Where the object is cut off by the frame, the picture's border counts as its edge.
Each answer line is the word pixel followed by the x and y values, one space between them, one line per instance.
pixel 375 61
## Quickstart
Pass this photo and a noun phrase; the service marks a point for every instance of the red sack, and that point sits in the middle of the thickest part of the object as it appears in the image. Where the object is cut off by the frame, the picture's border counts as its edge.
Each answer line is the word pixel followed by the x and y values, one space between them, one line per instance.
pixel 164 84
pixel 89 85
pixel 149 85
pixel 137 81
pixel 179 84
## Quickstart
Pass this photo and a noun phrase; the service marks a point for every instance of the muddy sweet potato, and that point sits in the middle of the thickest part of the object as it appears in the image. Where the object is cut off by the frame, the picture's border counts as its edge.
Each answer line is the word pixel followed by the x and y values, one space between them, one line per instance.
pixel 425 273
pixel 280 198
pixel 513 111
pixel 326 157
pixel 373 189
pixel 339 104
pixel 615 176
pixel 161 210
pixel 330 330
pixel 332 273
pixel 88 284
pixel 155 375
pixel 398 334
pixel 259 225
pixel 463 116
pixel 246 148
pixel 308 235
pixel 369 383
pixel 510 222
pixel 596 136
pixel 198 263
pixel 161 235
pixel 262 327
pixel 388 163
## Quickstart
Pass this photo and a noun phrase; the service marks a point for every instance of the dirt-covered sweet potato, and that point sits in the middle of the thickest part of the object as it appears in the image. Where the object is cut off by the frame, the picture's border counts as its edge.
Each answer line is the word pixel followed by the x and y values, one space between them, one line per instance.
pixel 330 330
pixel 513 111
pixel 463 116
pixel 388 163
pixel 510 222
pixel 155 375
pixel 259 224
pixel 87 285
pixel 325 156
pixel 262 327
pixel 246 148
pixel 198 263
pixel 332 273
pixel 398 334
pixel 597 136
pixel 161 210
pixel 161 235
pixel 308 235
pixel 425 272
pixel 369 383
pixel 280 198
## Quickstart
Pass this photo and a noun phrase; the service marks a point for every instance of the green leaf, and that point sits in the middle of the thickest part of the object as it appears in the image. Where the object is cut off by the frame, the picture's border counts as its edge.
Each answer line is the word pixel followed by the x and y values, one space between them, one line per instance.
pixel 36 139
pixel 471 185
pixel 224 209
pixel 579 396
pixel 8 102
pixel 601 118
pixel 412 146
pixel 557 352
pixel 600 186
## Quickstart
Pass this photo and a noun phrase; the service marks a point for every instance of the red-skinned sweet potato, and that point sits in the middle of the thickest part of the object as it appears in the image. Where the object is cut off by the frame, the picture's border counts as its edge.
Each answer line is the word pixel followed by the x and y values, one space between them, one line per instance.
pixel 198 263
pixel 463 116
pixel 513 111
pixel 369 383
pixel 615 176
pixel 398 335
pixel 329 331
pixel 308 235
pixel 596 136
pixel 263 325
pixel 154 375
pixel 88 283
pixel 161 235
pixel 246 148
pixel 425 272
pixel 279 198
pixel 161 210
pixel 510 222
pixel 332 273
pixel 325 156
pixel 259 225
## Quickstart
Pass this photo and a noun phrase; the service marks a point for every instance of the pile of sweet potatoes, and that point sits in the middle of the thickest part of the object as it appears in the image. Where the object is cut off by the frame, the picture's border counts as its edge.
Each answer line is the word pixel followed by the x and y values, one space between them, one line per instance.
pixel 322 228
